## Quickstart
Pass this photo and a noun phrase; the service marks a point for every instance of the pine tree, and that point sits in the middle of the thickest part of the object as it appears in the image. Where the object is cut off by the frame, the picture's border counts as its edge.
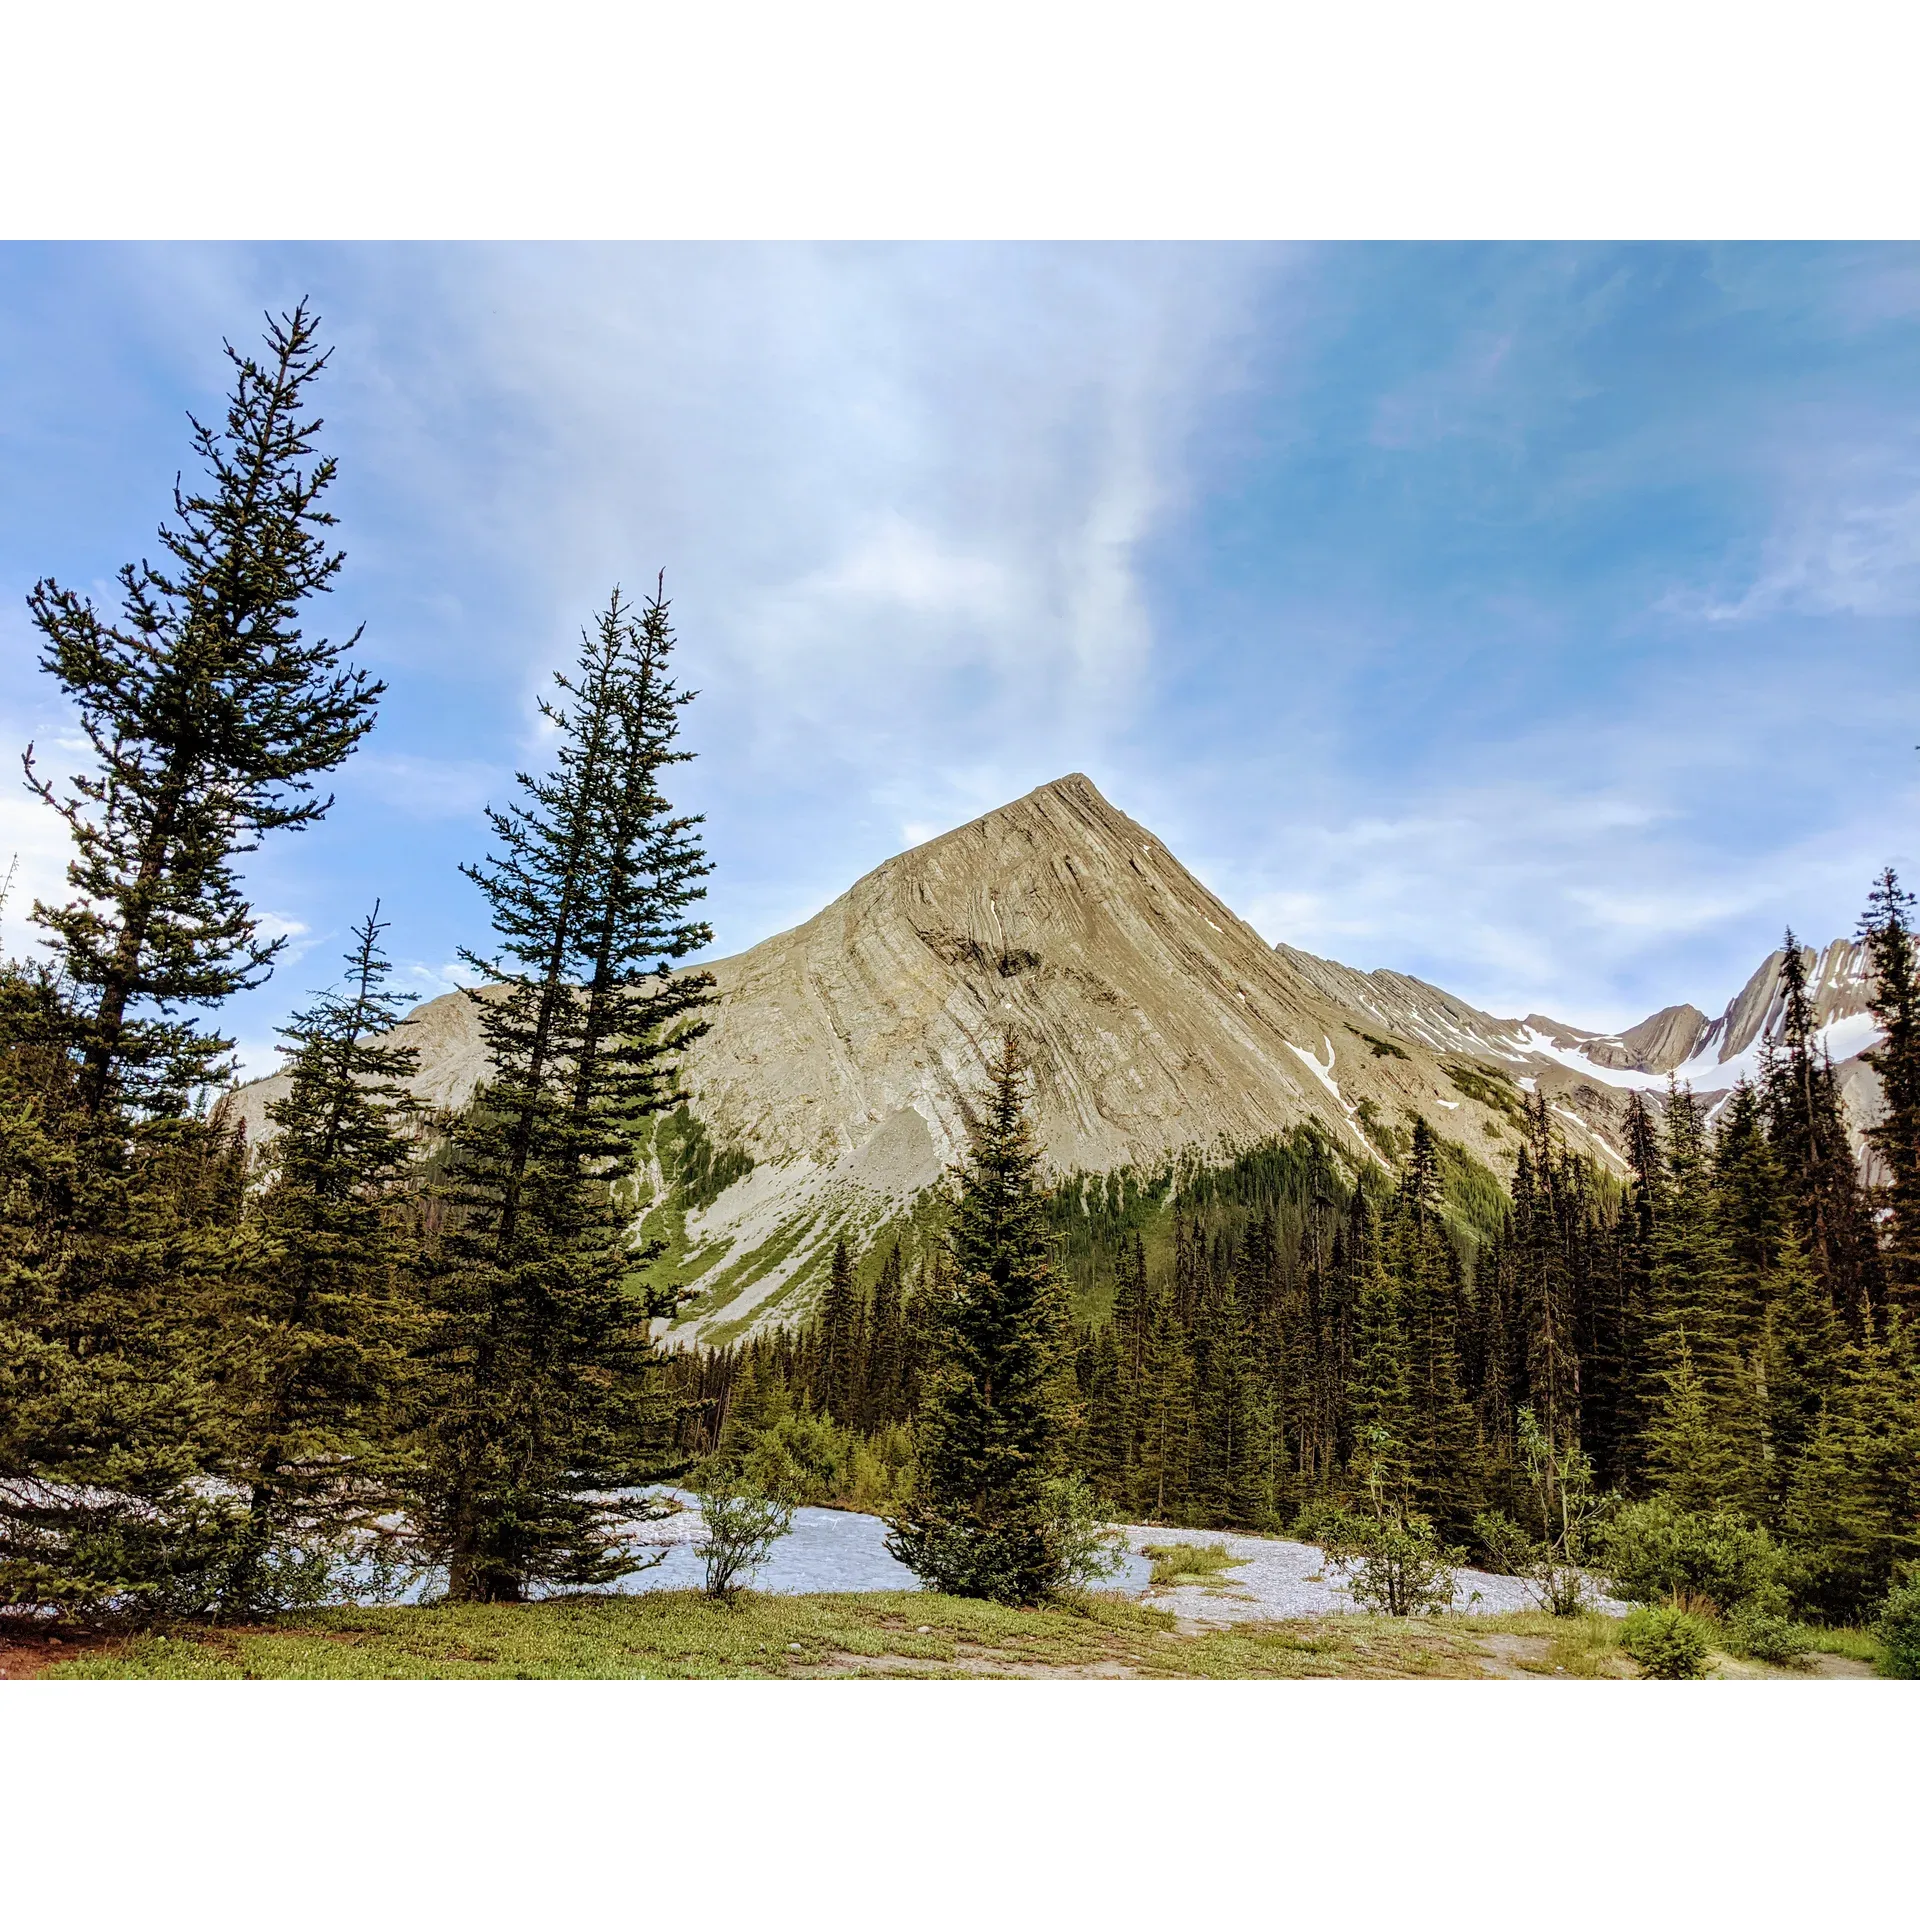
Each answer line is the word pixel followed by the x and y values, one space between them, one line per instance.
pixel 1444 1455
pixel 883 1392
pixel 1799 1356
pixel 209 711
pixel 315 1314
pixel 1853 1515
pixel 1696 1351
pixel 108 1412
pixel 542 1387
pixel 1163 1457
pixel 1547 1296
pixel 1809 1135
pixel 840 1358
pixel 1231 1482
pixel 991 1435
pixel 1887 928
pixel 1382 1394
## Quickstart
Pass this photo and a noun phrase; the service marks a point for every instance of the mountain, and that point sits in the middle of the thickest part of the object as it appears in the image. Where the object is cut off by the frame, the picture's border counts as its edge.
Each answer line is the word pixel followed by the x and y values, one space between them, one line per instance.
pixel 845 1054
pixel 1709 1056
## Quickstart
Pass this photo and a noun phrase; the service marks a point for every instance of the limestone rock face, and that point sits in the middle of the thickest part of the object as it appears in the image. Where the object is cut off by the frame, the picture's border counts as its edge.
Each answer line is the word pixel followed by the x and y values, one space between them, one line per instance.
pixel 1153 1017
pixel 845 1055
pixel 1706 1055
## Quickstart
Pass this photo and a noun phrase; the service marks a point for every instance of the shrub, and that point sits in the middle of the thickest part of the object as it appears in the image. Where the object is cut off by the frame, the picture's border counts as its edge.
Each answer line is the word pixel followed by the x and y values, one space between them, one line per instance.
pixel 1669 1643
pixel 1657 1551
pixel 1567 1522
pixel 1394 1564
pixel 1898 1626
pixel 1088 1545
pixel 1755 1634
pixel 744 1517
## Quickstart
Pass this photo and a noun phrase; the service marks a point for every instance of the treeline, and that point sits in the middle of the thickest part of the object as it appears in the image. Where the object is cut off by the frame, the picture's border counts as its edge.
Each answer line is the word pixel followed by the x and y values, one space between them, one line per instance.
pixel 386 1349
pixel 1731 1328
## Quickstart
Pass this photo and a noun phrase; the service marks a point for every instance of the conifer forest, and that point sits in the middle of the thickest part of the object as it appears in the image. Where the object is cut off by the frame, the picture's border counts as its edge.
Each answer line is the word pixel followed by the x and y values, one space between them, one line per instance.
pixel 389 1351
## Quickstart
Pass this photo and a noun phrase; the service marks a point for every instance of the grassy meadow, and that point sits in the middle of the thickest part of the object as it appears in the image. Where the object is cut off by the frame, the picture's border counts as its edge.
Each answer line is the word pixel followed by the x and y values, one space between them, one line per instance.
pixel 684 1636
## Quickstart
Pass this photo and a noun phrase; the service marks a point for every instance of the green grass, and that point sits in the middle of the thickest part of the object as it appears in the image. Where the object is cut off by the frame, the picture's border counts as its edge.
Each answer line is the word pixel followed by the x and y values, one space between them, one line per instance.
pixel 1850 1643
pixel 1583 1647
pixel 682 1635
pixel 1181 1565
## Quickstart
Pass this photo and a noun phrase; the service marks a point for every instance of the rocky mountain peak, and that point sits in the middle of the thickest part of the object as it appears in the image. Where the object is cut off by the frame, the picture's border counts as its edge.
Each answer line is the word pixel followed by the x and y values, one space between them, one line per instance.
pixel 846 1054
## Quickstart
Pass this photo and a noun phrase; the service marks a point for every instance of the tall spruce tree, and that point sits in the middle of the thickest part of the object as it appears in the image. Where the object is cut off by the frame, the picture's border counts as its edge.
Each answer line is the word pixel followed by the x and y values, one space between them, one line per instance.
pixel 542 1380
pixel 1163 1456
pixel 315 1312
pixel 209 711
pixel 1809 1135
pixel 991 1436
pixel 1887 928
pixel 839 1327
pixel 1232 1485
pixel 1853 1513
pixel 1700 1379
pixel 884 1390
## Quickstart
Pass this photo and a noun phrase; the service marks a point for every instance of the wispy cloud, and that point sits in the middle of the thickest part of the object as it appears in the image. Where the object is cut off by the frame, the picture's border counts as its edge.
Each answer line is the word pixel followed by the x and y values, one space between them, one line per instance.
pixel 1840 551
pixel 1539 619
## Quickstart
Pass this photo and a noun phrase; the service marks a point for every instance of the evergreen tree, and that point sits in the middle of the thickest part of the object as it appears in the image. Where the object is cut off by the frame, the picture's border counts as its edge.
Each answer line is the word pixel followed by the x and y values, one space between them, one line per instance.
pixel 209 711
pixel 1887 928
pixel 1382 1395
pixel 1546 1296
pixel 991 1435
pixel 1163 1453
pixel 1444 1457
pixel 1809 1135
pixel 839 1360
pixel 1692 1458
pixel 883 1397
pixel 541 1373
pixel 1697 1351
pixel 1853 1515
pixel 1799 1355
pixel 109 1416
pixel 1231 1483
pixel 314 1312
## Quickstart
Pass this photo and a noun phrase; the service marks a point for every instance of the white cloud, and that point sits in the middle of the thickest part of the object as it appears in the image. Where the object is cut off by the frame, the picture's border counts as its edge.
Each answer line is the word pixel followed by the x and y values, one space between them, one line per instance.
pixel 900 494
pixel 1831 554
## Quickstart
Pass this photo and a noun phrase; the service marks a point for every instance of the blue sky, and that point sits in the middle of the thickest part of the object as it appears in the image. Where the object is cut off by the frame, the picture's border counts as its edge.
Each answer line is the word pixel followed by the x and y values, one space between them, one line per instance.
pixel 1539 620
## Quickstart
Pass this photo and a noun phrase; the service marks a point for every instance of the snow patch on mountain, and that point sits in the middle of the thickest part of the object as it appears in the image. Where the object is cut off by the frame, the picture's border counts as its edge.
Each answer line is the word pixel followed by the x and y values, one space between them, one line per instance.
pixel 1324 1074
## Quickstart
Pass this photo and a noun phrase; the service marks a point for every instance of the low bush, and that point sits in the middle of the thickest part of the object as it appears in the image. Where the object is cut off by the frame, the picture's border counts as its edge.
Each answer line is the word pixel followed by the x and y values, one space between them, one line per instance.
pixel 1668 1643
pixel 1755 1634
pixel 1660 1553
pixel 1394 1564
pixel 1898 1626
pixel 744 1517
